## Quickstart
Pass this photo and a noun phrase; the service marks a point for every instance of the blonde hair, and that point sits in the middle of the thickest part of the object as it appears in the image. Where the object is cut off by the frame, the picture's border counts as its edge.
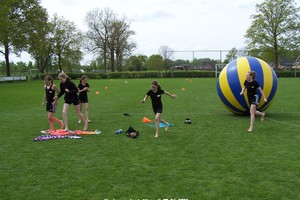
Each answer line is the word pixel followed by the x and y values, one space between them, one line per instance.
pixel 62 75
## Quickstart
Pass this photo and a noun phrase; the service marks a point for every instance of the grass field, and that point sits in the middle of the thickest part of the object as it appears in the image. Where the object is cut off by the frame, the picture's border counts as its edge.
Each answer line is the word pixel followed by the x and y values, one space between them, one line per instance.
pixel 214 158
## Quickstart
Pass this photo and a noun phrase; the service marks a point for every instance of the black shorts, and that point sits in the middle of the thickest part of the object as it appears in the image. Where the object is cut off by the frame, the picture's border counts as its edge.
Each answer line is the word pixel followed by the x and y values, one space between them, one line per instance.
pixel 158 109
pixel 253 100
pixel 74 102
pixel 50 107
pixel 83 100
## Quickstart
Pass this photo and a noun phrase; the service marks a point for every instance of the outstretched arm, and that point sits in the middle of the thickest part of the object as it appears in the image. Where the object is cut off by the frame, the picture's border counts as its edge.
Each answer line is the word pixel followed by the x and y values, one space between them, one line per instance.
pixel 263 94
pixel 169 94
pixel 144 99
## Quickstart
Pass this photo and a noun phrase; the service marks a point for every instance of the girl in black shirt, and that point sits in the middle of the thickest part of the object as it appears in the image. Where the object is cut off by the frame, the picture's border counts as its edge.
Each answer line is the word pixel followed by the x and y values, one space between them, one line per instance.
pixel 83 89
pixel 70 90
pixel 50 90
pixel 155 94
pixel 252 85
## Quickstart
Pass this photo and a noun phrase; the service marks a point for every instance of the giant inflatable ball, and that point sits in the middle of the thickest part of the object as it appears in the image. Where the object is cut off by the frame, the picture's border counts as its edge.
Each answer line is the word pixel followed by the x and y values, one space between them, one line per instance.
pixel 231 81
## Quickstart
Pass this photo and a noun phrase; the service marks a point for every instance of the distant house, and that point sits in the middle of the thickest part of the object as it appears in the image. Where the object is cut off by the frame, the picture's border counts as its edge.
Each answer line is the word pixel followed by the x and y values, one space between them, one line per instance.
pixel 189 67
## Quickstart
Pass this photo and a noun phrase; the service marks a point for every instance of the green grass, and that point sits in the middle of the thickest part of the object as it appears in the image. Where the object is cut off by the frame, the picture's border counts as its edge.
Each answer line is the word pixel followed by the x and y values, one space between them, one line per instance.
pixel 214 158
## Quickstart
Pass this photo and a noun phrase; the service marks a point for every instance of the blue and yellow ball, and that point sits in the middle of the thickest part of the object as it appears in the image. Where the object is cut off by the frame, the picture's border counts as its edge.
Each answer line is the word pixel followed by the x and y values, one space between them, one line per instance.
pixel 231 81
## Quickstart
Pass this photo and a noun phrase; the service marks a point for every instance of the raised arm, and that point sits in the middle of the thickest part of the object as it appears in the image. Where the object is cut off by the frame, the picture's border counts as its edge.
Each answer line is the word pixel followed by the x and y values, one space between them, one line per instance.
pixel 169 94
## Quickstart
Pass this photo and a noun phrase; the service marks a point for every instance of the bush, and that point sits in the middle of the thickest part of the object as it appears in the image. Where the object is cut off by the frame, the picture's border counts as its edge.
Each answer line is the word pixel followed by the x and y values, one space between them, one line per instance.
pixel 156 74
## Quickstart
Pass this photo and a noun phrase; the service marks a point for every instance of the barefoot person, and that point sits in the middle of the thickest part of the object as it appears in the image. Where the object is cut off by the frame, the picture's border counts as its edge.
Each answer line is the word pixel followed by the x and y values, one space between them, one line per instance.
pixel 252 85
pixel 50 90
pixel 155 93
pixel 70 90
pixel 83 89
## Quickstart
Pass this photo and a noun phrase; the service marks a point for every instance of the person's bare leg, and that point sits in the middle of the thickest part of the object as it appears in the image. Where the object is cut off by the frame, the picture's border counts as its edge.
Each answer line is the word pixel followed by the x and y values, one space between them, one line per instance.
pixel 81 117
pixel 261 114
pixel 157 120
pixel 166 123
pixel 64 114
pixel 60 122
pixel 50 120
pixel 86 107
pixel 252 117
pixel 80 108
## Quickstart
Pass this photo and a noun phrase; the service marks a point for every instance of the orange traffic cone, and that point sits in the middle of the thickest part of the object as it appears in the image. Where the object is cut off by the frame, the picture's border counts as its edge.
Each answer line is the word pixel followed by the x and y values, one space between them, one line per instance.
pixel 146 120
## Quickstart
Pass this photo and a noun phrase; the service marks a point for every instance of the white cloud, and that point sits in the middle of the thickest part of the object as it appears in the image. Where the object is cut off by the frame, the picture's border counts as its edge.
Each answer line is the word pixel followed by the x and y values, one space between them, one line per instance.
pixel 183 25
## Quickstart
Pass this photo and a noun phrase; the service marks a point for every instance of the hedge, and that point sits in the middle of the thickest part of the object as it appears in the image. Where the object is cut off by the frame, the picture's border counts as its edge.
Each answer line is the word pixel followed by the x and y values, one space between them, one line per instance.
pixel 156 74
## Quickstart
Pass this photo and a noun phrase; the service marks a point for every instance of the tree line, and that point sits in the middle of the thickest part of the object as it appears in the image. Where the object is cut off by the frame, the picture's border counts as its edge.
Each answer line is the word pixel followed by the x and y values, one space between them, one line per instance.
pixel 56 43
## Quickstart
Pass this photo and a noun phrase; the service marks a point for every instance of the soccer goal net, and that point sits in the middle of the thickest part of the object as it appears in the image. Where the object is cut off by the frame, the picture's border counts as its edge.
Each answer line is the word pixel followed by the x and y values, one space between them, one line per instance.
pixel 218 69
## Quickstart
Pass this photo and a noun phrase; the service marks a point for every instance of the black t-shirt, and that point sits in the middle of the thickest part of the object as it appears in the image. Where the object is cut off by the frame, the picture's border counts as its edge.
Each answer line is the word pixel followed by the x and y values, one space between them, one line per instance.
pixel 72 94
pixel 50 93
pixel 156 97
pixel 83 94
pixel 251 88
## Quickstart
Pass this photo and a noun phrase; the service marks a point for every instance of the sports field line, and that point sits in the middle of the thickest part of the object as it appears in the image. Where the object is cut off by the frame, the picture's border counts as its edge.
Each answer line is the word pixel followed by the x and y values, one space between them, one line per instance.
pixel 282 122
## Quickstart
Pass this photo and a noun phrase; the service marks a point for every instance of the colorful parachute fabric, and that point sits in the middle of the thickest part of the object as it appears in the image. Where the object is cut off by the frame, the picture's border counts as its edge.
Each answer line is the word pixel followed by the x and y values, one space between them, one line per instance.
pixel 52 137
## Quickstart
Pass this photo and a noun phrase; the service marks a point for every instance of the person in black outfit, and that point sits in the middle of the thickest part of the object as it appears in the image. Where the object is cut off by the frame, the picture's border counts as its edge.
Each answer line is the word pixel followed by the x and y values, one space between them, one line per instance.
pixel 50 90
pixel 155 94
pixel 252 85
pixel 70 90
pixel 83 89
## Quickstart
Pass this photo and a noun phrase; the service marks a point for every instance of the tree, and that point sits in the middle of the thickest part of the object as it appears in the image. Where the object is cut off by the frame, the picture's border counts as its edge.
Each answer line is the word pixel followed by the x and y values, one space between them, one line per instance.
pixel 16 18
pixel 137 63
pixel 109 37
pixel 67 40
pixel 166 52
pixel 123 45
pixel 40 44
pixel 155 62
pixel 99 23
pixel 275 28
pixel 232 54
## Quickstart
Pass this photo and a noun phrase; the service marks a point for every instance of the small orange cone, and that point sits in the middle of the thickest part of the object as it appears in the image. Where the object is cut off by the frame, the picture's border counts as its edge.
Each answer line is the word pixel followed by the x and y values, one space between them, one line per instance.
pixel 183 89
pixel 191 81
pixel 97 92
pixel 146 120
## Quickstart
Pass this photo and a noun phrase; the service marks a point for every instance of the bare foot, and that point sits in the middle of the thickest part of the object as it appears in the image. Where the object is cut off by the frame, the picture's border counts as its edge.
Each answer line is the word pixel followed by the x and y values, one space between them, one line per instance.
pixel 89 121
pixel 262 118
pixel 85 125
pixel 79 121
pixel 66 129
pixel 61 123
pixel 156 135
pixel 250 130
pixel 167 126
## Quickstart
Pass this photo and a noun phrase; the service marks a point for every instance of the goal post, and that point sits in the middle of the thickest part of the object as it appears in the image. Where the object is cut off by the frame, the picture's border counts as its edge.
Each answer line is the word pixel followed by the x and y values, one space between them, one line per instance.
pixel 33 73
pixel 218 69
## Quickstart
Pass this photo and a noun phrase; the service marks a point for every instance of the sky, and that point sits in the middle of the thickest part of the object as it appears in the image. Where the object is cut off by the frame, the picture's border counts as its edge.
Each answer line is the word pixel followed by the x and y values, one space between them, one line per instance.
pixel 183 25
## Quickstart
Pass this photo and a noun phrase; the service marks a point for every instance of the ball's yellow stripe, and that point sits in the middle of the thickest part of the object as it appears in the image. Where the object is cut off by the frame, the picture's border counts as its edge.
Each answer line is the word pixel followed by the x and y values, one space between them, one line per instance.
pixel 268 81
pixel 242 71
pixel 224 86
